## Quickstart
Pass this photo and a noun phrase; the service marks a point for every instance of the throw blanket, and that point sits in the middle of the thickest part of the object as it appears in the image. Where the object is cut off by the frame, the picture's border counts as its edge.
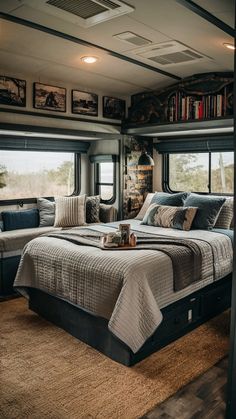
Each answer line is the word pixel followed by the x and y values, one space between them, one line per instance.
pixel 124 287
pixel 185 254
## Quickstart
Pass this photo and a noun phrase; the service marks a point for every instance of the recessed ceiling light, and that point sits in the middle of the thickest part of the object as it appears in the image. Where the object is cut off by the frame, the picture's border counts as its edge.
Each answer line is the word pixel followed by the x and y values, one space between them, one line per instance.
pixel 229 46
pixel 89 59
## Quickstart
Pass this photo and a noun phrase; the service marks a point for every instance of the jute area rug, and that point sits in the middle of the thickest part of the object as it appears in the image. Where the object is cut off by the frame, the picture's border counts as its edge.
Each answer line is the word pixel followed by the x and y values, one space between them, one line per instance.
pixel 47 374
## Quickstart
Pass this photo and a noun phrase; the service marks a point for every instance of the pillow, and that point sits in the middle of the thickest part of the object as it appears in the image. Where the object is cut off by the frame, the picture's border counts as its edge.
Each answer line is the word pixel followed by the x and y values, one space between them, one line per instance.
pixel 172 199
pixel 15 220
pixel 70 211
pixel 225 216
pixel 92 209
pixel 1 225
pixel 180 218
pixel 145 206
pixel 208 210
pixel 46 212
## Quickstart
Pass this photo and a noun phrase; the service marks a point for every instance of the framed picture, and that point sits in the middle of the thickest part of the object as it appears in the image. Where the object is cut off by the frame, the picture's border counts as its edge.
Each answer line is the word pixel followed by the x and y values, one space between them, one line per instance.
pixel 12 91
pixel 51 98
pixel 84 103
pixel 113 108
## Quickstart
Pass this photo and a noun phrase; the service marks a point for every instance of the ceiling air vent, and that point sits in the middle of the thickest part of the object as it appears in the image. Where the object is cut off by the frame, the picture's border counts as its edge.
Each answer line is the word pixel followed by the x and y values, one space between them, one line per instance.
pixel 132 38
pixel 84 13
pixel 170 53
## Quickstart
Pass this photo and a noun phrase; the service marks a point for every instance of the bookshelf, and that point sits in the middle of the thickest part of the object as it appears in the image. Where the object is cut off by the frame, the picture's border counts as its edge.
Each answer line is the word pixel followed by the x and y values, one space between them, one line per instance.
pixel 183 107
pixel 201 97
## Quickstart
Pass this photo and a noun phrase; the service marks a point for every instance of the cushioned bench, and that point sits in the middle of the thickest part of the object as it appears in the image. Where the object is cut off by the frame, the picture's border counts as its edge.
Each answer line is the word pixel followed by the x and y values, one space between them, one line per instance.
pixel 12 243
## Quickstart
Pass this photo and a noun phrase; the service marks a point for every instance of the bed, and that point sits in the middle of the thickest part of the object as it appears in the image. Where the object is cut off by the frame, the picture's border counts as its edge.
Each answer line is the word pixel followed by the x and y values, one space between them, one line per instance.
pixel 128 303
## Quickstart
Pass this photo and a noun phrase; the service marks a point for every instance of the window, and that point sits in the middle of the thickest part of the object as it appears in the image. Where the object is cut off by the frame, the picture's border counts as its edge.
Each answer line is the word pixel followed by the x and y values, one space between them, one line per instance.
pixel 105 181
pixel 211 172
pixel 31 174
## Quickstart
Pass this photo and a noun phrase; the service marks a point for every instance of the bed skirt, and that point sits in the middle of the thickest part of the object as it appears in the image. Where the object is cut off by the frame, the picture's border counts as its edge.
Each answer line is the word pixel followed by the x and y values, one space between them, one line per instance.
pixel 179 318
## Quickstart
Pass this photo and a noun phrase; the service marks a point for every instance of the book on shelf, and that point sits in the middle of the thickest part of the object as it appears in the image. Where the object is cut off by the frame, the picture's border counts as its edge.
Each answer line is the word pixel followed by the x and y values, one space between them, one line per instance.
pixel 183 107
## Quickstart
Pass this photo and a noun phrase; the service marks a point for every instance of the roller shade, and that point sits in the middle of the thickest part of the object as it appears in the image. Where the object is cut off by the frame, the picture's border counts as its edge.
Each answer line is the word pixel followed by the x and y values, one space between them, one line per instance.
pixel 36 144
pixel 103 158
pixel 203 145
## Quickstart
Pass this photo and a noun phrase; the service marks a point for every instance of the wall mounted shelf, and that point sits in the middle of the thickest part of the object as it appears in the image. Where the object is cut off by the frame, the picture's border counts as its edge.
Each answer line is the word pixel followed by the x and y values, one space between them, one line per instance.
pixel 177 129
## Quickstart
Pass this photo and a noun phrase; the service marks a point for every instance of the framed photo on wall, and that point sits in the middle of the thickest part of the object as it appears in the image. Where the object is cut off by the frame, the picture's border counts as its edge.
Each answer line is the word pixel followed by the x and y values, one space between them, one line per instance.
pixel 113 108
pixel 12 91
pixel 51 98
pixel 84 103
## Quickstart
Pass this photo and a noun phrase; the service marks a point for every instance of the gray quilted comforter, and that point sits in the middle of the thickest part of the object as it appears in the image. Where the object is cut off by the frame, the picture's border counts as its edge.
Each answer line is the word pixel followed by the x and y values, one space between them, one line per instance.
pixel 122 285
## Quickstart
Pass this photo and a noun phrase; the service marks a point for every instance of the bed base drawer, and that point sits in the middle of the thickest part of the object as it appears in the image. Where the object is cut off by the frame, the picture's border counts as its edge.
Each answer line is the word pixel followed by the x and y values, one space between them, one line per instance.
pixel 178 319
pixel 8 270
pixel 215 300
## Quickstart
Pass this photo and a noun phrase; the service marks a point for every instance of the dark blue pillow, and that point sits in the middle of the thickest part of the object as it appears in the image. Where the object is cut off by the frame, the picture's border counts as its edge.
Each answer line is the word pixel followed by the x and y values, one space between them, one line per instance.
pixel 208 210
pixel 15 220
pixel 170 199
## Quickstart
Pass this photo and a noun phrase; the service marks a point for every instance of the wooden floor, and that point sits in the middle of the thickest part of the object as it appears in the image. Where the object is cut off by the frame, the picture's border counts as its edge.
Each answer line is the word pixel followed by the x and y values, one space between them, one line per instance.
pixel 204 398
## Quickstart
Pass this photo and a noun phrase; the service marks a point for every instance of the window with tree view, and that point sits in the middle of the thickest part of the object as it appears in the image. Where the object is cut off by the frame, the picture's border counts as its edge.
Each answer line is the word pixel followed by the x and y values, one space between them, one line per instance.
pixel 105 181
pixel 29 174
pixel 202 172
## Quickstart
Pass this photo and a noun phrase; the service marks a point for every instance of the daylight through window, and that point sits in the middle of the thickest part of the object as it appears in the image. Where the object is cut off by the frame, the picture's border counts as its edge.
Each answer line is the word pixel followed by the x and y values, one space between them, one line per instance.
pixel 105 182
pixel 29 174
pixel 202 172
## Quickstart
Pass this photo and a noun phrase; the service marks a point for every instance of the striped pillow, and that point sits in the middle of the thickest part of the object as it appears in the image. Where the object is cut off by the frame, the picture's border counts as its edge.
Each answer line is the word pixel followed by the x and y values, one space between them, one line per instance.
pixel 225 216
pixel 70 211
pixel 180 218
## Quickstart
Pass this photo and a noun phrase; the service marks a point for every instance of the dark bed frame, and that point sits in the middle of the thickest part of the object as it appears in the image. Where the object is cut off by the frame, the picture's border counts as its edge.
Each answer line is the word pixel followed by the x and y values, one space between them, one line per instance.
pixel 179 318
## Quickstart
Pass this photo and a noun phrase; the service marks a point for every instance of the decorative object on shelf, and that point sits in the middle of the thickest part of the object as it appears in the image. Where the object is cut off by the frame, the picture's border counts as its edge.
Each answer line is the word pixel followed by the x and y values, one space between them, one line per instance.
pixel 202 96
pixel 12 91
pixel 113 108
pixel 52 98
pixel 84 103
pixel 148 110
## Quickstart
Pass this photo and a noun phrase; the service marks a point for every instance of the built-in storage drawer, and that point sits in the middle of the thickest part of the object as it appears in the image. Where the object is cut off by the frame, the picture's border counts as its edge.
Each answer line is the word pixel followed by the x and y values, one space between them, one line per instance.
pixel 8 269
pixel 180 317
pixel 216 300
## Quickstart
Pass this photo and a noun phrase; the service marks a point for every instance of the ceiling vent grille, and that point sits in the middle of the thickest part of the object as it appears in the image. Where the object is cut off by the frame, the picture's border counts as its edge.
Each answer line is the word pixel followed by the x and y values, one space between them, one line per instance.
pixel 170 53
pixel 132 38
pixel 83 8
pixel 84 13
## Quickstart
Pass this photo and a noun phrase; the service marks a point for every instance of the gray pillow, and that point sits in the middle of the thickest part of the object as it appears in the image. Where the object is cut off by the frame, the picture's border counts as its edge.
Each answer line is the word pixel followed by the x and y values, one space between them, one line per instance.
pixel 92 209
pixel 170 199
pixel 225 216
pixel 46 212
pixel 208 210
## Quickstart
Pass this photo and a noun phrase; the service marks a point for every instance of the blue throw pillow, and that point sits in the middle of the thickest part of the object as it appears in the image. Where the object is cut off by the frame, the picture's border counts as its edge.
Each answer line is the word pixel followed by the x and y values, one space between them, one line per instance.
pixel 15 220
pixel 208 210
pixel 170 199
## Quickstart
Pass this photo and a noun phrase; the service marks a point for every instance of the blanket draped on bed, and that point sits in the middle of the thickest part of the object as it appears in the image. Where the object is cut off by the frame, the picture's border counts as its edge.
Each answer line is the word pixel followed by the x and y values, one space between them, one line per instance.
pixel 122 286
pixel 185 254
